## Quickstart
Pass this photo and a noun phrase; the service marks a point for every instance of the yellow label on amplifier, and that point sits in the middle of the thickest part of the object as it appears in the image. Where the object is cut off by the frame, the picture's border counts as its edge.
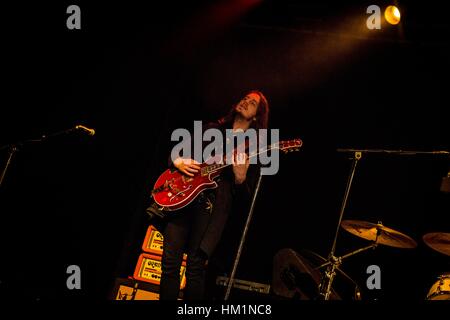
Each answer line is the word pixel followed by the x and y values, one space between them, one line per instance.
pixel 130 293
pixel 153 242
pixel 148 269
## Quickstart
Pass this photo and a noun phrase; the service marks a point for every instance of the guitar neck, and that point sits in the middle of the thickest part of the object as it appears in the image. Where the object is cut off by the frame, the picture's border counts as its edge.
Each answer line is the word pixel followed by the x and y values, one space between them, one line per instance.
pixel 219 166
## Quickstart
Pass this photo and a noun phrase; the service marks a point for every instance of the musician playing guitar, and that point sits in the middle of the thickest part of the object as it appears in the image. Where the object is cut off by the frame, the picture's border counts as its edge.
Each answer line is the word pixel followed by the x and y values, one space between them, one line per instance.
pixel 197 228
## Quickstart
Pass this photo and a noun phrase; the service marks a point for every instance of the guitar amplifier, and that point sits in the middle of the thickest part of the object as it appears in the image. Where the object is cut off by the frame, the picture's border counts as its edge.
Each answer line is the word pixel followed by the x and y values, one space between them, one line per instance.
pixel 130 289
pixel 148 269
pixel 153 242
pixel 244 285
pixel 243 289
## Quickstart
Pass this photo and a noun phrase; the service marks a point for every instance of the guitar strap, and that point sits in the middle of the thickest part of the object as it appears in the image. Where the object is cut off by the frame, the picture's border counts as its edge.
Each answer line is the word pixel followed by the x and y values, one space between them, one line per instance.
pixel 155 211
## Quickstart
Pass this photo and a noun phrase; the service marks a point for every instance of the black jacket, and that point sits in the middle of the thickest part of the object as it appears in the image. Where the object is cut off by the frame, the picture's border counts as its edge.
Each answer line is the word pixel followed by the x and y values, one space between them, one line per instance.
pixel 209 227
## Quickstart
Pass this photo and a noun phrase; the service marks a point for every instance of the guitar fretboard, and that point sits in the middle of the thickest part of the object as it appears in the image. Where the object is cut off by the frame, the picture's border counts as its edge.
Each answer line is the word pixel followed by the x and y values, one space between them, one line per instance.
pixel 217 166
pixel 213 167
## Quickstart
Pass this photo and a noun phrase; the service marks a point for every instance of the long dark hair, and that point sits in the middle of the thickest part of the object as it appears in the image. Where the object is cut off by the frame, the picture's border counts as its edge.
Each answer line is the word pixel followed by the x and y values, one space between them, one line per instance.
pixel 262 114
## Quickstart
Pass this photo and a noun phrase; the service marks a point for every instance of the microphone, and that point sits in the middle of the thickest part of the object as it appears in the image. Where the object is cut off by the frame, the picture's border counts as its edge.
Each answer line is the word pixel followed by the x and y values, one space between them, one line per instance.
pixel 90 132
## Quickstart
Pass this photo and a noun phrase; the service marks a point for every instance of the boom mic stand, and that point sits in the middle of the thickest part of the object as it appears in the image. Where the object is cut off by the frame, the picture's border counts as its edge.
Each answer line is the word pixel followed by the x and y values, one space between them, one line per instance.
pixel 333 262
pixel 13 148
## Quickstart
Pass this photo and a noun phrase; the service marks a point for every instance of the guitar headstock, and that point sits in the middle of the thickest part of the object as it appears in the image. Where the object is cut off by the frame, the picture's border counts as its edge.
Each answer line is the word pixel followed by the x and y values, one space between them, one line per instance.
pixel 290 145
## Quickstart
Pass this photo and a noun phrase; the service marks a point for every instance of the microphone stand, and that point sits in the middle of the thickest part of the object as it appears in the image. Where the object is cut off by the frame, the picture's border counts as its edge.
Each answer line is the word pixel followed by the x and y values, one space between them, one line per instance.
pixel 244 234
pixel 333 262
pixel 13 148
pixel 12 151
pixel 400 152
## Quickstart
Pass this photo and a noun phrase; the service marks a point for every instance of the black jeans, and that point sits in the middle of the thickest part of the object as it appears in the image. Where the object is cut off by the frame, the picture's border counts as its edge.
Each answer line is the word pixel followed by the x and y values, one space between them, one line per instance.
pixel 183 233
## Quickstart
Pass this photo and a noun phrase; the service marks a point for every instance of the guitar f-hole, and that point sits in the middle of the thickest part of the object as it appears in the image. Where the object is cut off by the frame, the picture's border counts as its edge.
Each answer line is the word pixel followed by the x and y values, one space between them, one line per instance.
pixel 181 193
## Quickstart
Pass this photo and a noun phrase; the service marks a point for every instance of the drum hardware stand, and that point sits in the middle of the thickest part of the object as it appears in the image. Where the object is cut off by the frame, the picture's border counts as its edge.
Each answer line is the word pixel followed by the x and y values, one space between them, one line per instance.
pixel 333 263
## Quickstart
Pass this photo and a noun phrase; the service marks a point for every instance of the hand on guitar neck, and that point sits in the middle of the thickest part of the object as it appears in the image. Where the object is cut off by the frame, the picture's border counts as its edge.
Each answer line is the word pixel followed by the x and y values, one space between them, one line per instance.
pixel 240 167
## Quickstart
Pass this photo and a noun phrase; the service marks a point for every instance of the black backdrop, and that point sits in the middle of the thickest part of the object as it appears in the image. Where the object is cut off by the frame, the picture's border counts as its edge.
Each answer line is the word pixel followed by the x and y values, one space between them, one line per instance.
pixel 135 73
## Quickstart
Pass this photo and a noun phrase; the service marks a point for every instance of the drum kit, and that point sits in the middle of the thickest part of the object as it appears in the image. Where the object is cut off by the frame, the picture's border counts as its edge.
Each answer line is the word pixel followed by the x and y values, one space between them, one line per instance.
pixel 323 273
pixel 440 242
pixel 299 275
pixel 378 234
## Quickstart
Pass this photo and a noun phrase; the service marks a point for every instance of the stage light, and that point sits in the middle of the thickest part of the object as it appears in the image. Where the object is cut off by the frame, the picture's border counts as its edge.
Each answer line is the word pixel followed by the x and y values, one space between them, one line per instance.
pixel 392 15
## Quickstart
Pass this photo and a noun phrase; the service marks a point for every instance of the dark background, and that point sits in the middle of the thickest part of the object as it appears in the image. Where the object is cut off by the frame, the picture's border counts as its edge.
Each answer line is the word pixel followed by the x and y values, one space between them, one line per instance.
pixel 135 73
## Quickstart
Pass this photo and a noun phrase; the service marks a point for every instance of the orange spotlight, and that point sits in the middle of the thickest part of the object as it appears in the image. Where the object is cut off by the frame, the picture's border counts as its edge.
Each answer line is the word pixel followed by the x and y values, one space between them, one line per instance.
pixel 392 15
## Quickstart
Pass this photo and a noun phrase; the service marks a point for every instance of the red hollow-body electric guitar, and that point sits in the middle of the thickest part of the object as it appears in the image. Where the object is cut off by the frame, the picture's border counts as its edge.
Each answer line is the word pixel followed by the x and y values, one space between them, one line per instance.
pixel 174 190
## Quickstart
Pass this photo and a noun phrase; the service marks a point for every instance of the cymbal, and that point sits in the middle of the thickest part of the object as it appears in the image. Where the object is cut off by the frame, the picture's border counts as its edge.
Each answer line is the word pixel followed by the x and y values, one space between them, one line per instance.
pixel 438 241
pixel 386 236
